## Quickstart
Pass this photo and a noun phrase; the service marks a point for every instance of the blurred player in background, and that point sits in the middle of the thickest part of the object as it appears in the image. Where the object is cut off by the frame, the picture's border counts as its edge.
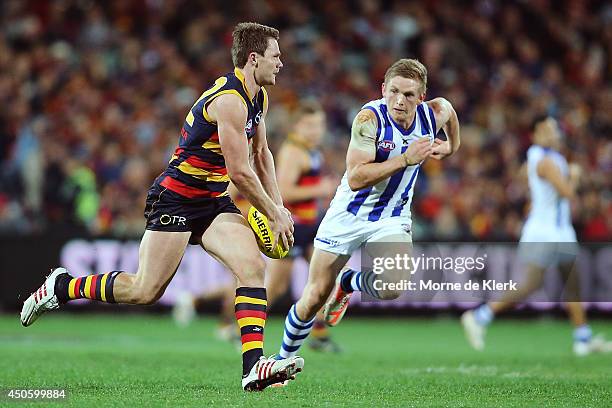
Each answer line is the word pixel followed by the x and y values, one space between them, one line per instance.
pixel 390 138
pixel 299 162
pixel 548 240
pixel 189 204
pixel 303 188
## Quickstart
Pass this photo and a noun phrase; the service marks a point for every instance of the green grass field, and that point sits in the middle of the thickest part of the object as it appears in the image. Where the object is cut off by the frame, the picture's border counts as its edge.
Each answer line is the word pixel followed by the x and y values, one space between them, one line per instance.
pixel 140 360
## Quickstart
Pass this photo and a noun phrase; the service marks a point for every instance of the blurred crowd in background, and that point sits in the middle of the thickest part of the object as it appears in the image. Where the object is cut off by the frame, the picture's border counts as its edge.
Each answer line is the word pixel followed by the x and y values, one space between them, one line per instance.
pixel 94 94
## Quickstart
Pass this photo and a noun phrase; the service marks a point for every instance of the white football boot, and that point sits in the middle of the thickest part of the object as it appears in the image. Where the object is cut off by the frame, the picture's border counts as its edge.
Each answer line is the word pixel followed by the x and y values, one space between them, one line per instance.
pixel 184 311
pixel 269 371
pixel 42 300
pixel 474 332
pixel 597 344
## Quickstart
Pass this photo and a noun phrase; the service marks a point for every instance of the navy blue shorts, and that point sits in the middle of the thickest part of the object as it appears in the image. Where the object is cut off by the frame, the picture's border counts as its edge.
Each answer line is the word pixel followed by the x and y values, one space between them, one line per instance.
pixel 303 237
pixel 166 210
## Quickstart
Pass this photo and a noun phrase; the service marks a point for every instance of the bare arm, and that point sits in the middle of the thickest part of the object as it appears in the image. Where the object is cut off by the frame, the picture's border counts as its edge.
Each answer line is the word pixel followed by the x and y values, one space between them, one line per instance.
pixel 362 171
pixel 446 118
pixel 263 161
pixel 230 114
pixel 548 170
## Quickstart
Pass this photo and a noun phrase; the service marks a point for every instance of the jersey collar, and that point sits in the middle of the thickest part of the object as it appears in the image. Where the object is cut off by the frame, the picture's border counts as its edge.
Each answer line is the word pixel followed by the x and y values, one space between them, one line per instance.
pixel 240 77
pixel 403 131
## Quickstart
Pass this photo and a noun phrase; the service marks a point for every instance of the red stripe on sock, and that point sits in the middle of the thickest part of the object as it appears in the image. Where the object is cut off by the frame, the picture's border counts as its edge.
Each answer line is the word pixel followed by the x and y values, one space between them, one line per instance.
pixel 92 287
pixel 77 285
pixel 250 313
pixel 251 337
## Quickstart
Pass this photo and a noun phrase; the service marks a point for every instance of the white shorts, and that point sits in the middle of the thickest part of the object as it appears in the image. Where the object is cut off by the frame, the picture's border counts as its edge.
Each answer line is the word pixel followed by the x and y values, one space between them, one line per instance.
pixel 534 231
pixel 547 246
pixel 342 233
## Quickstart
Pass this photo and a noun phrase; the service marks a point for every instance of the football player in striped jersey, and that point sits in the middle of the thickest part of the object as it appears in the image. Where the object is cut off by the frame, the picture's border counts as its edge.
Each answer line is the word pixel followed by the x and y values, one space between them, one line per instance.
pixel 390 139
pixel 189 204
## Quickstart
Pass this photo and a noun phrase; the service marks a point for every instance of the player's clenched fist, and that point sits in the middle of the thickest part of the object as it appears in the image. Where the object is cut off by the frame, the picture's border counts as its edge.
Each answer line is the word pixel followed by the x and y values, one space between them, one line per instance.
pixel 417 151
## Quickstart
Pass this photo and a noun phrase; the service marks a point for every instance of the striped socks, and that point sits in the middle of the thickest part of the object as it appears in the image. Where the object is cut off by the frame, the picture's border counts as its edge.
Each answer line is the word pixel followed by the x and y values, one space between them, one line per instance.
pixel 250 309
pixel 95 287
pixel 296 331
pixel 583 333
pixel 483 315
pixel 352 281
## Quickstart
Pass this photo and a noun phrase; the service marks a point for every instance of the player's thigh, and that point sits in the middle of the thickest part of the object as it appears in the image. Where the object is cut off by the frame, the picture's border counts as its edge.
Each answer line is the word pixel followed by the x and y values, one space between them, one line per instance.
pixel 534 277
pixel 389 243
pixel 324 267
pixel 230 240
pixel 159 256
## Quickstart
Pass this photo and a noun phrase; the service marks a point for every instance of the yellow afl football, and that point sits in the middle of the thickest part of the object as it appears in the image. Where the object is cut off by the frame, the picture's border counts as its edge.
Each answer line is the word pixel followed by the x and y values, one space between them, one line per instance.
pixel 263 234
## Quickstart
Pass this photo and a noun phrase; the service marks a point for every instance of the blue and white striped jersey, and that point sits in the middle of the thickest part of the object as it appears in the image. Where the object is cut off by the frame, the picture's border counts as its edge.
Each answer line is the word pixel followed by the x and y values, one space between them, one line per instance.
pixel 391 197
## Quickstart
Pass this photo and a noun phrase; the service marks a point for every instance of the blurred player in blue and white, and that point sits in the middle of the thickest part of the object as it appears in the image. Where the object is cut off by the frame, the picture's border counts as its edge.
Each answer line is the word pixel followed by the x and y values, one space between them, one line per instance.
pixel 548 239
pixel 390 138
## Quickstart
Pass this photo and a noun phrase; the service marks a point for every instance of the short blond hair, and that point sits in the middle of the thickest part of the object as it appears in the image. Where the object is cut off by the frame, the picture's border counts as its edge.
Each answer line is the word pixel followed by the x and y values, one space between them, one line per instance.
pixel 408 68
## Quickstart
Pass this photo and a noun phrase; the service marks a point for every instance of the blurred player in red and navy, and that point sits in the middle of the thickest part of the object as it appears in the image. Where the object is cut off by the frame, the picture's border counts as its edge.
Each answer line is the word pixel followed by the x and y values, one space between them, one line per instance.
pixel 303 188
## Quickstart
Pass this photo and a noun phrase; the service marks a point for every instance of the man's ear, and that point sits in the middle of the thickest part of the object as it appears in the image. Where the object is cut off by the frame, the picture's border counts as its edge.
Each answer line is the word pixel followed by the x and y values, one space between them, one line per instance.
pixel 253 58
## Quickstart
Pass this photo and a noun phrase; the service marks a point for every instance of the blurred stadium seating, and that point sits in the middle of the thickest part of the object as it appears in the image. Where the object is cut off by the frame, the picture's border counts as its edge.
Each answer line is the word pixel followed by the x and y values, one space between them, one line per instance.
pixel 94 96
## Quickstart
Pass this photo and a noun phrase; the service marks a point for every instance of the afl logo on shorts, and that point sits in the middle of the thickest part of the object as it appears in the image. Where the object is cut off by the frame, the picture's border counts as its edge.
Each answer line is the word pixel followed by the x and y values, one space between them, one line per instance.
pixel 386 145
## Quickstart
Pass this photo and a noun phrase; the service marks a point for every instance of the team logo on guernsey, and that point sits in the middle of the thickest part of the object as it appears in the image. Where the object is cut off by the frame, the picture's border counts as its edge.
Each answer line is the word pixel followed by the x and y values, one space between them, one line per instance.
pixel 249 126
pixel 386 145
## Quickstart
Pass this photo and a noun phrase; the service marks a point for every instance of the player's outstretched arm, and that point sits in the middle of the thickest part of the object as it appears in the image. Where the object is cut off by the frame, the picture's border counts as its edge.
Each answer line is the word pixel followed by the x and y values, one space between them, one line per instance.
pixel 362 170
pixel 446 118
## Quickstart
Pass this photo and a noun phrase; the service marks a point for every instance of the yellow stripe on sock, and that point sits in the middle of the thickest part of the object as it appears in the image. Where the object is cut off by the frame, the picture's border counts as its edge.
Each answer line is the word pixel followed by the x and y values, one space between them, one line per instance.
pixel 103 287
pixel 247 299
pixel 250 345
pixel 71 288
pixel 88 285
pixel 251 321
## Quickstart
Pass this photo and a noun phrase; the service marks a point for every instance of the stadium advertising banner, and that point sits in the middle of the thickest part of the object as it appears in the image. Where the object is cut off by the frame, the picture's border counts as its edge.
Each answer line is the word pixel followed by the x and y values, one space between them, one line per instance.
pixel 427 276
